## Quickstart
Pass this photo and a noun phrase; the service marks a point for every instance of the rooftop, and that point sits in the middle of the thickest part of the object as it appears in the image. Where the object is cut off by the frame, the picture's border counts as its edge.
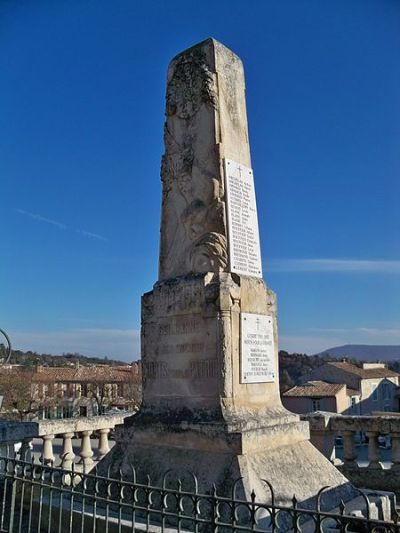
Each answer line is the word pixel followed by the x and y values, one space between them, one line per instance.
pixel 315 389
pixel 366 373
pixel 76 374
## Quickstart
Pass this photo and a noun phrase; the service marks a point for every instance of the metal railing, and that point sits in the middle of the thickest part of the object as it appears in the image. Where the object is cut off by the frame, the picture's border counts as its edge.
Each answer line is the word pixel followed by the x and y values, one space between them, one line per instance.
pixel 37 497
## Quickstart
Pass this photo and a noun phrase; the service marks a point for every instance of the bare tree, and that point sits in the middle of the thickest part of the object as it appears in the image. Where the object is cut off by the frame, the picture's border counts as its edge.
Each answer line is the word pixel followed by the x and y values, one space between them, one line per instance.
pixel 18 394
pixel 133 393
pixel 102 389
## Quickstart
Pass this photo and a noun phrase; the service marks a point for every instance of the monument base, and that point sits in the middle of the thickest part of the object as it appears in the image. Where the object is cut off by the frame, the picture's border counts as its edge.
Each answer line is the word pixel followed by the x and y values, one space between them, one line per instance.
pixel 278 452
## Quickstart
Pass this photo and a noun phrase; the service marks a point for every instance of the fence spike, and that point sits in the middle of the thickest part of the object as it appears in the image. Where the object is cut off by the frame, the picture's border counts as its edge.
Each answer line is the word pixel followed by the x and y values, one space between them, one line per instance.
pixel 342 507
pixel 196 483
pixel 133 470
pixel 318 500
pixel 235 483
pixel 164 478
pixel 271 490
pixel 366 499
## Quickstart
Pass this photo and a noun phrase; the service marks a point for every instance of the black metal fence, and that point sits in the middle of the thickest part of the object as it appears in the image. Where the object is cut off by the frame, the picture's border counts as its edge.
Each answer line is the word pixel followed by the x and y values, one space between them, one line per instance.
pixel 43 498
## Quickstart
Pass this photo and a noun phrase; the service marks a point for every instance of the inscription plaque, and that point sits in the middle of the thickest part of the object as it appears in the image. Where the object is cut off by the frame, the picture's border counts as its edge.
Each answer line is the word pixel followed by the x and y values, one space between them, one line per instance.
pixel 257 351
pixel 244 238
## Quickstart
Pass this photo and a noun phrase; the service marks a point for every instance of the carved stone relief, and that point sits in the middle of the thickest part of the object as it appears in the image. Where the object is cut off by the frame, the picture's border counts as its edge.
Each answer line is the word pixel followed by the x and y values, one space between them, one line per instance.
pixel 193 237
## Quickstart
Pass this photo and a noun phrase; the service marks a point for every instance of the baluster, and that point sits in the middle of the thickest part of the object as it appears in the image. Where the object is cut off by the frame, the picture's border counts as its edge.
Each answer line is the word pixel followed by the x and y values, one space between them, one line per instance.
pixel 10 448
pixel 47 451
pixel 67 454
pixel 395 450
pixel 6 448
pixel 373 449
pixel 104 448
pixel 86 452
pixel 349 450
pixel 25 450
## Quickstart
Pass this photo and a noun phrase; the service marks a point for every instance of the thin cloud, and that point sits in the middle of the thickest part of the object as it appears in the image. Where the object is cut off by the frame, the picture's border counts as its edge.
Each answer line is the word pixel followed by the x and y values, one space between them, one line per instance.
pixel 35 216
pixel 91 235
pixel 359 266
pixel 60 225
pixel 369 331
pixel 389 332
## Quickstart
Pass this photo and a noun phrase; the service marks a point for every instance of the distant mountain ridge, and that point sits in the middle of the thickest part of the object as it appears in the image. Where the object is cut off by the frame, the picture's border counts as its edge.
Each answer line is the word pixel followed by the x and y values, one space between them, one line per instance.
pixel 365 352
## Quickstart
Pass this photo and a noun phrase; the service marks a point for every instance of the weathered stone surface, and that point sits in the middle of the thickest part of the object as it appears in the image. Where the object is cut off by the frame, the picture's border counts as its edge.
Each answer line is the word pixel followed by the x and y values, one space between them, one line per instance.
pixel 292 467
pixel 17 431
pixel 191 345
pixel 205 123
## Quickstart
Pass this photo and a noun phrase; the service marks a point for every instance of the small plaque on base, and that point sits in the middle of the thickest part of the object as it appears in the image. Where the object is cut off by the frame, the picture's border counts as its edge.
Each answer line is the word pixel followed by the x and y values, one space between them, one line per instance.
pixel 257 350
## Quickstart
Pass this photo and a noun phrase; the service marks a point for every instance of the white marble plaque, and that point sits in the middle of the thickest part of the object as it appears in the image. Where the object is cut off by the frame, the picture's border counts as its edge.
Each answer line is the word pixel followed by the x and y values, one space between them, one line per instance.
pixel 257 351
pixel 244 238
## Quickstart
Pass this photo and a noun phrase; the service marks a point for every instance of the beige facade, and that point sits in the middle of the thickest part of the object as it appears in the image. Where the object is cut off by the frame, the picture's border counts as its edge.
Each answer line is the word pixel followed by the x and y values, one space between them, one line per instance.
pixel 321 396
pixel 65 392
pixel 376 386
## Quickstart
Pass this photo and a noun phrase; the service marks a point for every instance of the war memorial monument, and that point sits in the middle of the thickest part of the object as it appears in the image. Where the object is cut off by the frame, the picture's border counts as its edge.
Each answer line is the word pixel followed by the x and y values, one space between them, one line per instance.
pixel 211 402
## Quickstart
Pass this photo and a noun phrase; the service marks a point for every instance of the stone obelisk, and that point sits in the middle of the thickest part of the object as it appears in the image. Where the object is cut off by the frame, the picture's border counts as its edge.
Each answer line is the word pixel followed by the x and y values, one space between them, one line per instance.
pixel 211 402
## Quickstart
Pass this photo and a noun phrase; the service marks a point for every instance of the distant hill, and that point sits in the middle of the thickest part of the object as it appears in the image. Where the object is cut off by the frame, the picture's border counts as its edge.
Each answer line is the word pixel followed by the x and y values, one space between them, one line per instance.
pixel 365 352
pixel 30 358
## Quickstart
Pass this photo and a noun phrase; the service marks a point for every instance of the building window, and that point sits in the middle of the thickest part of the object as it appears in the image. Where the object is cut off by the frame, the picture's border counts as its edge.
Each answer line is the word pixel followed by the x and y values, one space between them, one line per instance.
pixel 316 405
pixel 386 391
pixel 353 401
pixel 374 393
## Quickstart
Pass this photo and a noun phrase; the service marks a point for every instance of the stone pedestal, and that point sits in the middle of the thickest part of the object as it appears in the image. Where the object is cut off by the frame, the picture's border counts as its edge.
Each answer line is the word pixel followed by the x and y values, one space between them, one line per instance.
pixel 198 417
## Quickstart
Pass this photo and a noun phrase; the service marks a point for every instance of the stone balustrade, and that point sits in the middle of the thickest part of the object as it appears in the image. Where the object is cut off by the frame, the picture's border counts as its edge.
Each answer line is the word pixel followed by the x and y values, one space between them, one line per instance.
pixel 18 437
pixel 371 447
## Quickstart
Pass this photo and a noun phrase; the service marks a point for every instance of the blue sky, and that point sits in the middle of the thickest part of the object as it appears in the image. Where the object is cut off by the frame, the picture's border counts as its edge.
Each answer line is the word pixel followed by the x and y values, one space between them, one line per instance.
pixel 81 113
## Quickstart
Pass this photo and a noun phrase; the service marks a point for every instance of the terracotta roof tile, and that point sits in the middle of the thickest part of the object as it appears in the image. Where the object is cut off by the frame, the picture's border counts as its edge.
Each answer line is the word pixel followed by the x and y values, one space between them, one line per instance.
pixel 353 392
pixel 365 373
pixel 315 389
pixel 84 374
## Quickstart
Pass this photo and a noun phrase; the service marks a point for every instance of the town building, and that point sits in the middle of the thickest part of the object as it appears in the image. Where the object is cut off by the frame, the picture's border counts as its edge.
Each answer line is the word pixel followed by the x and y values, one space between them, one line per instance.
pixel 322 396
pixel 369 388
pixel 66 392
